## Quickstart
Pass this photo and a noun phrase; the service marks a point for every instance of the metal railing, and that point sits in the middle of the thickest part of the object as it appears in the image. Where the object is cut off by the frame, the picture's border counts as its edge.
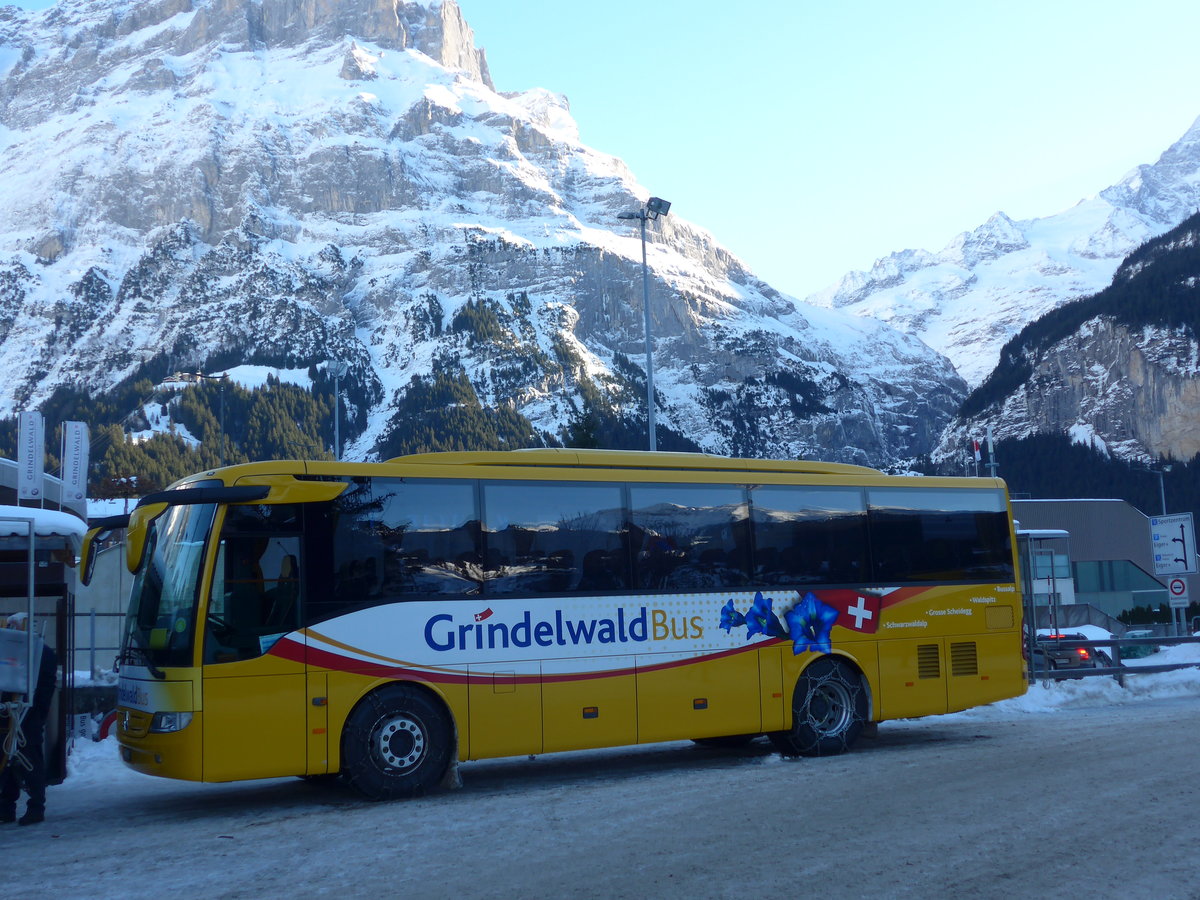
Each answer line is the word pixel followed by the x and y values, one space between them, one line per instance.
pixel 95 652
pixel 1112 646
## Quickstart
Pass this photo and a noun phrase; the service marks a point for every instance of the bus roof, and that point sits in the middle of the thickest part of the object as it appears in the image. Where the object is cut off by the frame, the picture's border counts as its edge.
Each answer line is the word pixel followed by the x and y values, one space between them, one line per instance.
pixel 530 463
pixel 628 459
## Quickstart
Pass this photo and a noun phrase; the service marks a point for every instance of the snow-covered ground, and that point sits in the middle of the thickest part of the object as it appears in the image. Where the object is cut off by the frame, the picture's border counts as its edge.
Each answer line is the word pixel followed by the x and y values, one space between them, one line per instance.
pixel 96 761
pixel 984 803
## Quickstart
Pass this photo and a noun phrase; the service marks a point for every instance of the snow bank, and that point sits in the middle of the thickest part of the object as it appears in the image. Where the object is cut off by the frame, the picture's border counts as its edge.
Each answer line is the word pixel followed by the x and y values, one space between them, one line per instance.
pixel 45 522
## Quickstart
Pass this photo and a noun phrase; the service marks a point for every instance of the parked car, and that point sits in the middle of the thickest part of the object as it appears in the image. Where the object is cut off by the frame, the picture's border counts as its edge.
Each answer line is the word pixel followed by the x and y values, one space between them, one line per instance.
pixel 1138 651
pixel 1056 650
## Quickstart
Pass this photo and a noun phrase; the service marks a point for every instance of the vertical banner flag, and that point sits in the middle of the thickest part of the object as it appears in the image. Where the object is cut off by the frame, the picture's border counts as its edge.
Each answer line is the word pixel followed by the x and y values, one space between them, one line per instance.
pixel 977 454
pixel 31 456
pixel 75 466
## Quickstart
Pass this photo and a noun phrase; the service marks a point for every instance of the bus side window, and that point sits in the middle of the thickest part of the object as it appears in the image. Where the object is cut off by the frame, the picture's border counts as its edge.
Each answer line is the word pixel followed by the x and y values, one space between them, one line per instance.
pixel 940 535
pixel 284 597
pixel 689 537
pixel 390 539
pixel 553 538
pixel 808 534
pixel 255 593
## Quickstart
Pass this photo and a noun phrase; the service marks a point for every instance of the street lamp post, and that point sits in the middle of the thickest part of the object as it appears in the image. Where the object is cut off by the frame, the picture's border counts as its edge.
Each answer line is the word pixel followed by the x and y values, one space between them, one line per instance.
pixel 654 208
pixel 222 379
pixel 1162 490
pixel 338 369
pixel 128 487
pixel 1178 616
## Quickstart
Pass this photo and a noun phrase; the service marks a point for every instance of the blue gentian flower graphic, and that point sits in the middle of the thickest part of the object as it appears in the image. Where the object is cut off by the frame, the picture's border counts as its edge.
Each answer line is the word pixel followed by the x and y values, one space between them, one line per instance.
pixel 730 617
pixel 762 620
pixel 810 623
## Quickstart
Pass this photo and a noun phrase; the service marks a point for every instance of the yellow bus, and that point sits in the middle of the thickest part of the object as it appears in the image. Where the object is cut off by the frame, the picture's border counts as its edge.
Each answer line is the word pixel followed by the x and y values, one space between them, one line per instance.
pixel 387 620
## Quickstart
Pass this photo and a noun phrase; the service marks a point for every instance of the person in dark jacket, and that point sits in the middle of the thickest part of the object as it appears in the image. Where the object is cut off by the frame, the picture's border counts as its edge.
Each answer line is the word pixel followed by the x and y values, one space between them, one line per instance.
pixel 26 767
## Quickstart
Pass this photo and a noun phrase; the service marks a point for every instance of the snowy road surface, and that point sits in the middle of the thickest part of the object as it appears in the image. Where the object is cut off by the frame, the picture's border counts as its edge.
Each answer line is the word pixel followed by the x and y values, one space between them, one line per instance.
pixel 1077 790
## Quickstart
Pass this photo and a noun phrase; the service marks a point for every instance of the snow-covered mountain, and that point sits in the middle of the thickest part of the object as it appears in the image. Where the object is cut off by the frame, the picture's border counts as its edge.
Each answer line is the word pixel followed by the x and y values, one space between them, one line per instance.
pixel 968 299
pixel 1118 371
pixel 292 182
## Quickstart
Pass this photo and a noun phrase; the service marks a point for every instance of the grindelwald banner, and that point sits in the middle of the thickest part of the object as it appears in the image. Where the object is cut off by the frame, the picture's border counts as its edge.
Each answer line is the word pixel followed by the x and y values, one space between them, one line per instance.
pixel 75 466
pixel 31 456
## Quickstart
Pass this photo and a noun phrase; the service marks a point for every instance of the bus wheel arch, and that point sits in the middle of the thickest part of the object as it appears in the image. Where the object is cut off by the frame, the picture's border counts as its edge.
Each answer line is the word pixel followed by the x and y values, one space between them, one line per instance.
pixel 399 741
pixel 831 705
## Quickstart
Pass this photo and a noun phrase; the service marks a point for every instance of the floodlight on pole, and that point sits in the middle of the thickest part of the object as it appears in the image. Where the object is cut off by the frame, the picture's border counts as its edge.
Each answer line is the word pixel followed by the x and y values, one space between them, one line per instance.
pixel 655 207
pixel 1162 489
pixel 222 378
pixel 337 368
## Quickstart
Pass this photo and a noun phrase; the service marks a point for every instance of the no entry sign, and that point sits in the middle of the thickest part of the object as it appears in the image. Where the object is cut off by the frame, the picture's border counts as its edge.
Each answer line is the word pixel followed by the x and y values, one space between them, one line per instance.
pixel 1178 590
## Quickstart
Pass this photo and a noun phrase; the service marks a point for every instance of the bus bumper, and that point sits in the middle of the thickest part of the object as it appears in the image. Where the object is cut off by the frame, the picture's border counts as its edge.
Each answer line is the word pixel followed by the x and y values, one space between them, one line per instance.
pixel 175 754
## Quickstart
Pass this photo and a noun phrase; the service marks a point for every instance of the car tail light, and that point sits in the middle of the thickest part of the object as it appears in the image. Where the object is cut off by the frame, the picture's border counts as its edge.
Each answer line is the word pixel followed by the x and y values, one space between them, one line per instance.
pixel 1083 654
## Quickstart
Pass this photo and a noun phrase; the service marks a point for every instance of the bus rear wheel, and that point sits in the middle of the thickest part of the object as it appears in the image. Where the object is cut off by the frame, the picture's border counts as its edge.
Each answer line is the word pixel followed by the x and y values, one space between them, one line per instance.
pixel 397 743
pixel 829 710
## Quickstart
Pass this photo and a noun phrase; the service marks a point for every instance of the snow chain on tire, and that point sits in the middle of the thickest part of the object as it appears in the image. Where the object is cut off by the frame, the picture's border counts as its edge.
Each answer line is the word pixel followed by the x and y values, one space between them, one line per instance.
pixel 398 742
pixel 829 710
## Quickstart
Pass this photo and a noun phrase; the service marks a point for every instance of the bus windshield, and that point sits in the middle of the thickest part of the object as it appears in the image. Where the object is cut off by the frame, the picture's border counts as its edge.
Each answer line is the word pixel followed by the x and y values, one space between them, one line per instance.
pixel 158 630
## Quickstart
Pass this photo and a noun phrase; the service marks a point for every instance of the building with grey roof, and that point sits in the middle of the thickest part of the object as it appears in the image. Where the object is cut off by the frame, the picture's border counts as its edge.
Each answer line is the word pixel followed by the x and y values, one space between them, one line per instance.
pixel 1111 561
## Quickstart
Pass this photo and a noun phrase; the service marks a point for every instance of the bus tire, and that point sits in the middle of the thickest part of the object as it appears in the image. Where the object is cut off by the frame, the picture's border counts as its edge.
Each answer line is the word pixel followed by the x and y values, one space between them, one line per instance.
pixel 397 743
pixel 829 710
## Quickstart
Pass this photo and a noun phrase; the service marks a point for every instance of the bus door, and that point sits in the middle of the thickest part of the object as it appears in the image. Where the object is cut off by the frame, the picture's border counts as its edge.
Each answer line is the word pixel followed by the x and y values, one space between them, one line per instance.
pixel 505 709
pixel 255 704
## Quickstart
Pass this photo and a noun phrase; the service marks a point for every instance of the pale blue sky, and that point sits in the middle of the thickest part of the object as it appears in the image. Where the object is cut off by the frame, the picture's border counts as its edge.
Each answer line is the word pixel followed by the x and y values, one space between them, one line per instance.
pixel 812 138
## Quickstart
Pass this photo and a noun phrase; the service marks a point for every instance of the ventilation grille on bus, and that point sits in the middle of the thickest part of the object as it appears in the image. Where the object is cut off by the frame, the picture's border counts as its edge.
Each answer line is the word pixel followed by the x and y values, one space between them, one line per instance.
pixel 929 663
pixel 964 659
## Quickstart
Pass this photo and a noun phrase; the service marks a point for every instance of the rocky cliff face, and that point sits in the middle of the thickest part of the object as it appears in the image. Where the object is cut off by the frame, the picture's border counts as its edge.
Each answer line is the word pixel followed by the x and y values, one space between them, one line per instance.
pixel 1119 371
pixel 147 115
pixel 292 182
pixel 1132 393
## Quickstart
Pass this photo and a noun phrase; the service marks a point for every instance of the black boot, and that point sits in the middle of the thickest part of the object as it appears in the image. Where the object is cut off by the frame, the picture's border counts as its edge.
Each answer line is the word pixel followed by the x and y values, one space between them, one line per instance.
pixel 33 815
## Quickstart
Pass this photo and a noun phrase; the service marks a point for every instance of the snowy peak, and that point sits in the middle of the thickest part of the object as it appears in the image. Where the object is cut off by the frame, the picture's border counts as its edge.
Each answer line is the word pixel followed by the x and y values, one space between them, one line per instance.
pixel 1119 371
pixel 78 44
pixel 995 237
pixel 218 112
pixel 1166 191
pixel 976 293
pixel 199 183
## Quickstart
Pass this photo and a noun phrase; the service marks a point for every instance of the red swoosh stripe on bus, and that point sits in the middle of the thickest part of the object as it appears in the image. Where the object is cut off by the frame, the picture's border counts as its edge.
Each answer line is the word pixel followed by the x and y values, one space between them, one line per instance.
pixel 325 659
pixel 298 651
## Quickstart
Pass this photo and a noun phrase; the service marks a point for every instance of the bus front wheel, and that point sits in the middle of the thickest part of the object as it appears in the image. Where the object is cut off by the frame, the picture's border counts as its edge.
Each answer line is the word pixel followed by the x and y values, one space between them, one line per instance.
pixel 397 743
pixel 829 710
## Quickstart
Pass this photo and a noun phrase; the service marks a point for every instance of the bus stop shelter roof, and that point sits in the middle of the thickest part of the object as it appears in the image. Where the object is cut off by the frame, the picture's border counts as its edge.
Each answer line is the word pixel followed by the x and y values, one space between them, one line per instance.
pixel 46 523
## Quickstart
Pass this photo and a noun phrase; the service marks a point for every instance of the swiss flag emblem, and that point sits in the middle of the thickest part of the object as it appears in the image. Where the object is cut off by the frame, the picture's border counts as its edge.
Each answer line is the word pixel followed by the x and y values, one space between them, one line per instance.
pixel 856 611
pixel 486 614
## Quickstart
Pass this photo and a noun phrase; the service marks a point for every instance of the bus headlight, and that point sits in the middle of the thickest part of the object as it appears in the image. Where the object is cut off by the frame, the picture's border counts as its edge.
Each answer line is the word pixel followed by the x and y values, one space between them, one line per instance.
pixel 164 722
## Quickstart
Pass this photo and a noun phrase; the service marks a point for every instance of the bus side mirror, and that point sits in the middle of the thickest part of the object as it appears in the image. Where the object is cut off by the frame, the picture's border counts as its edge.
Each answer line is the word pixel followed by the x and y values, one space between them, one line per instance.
pixel 87 556
pixel 97 533
pixel 139 527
